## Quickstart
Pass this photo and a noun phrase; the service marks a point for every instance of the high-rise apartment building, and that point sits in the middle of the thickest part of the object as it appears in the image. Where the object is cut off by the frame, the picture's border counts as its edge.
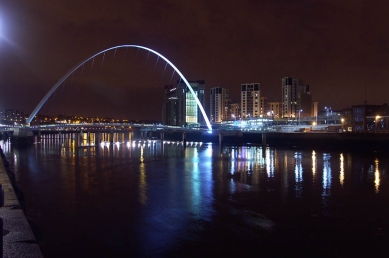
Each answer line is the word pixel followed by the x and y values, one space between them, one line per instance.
pixel 315 109
pixel 275 109
pixel 180 106
pixel 250 97
pixel 235 110
pixel 217 104
pixel 227 109
pixel 12 115
pixel 170 107
pixel 296 98
pixel 9 114
pixel 264 107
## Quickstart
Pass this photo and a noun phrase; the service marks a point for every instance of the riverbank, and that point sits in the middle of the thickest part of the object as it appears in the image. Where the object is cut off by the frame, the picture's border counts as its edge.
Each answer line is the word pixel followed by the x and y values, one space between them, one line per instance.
pixel 303 140
pixel 18 238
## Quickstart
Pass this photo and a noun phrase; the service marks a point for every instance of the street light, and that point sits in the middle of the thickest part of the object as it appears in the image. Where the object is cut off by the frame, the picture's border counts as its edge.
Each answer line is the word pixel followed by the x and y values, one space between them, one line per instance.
pixel 233 116
pixel 376 122
pixel 299 115
pixel 1 30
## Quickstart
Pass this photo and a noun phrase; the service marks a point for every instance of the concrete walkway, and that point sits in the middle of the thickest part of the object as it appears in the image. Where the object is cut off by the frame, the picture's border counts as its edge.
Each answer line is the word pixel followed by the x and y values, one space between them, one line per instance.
pixel 18 239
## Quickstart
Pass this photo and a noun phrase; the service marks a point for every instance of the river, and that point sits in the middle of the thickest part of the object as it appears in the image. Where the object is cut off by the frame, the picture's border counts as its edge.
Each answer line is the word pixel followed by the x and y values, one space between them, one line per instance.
pixel 136 199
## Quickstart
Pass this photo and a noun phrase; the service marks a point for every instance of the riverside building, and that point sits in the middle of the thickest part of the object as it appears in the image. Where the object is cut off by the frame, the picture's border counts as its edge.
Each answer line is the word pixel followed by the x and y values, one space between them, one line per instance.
pixel 180 106
pixel 275 109
pixel 296 98
pixel 218 103
pixel 250 97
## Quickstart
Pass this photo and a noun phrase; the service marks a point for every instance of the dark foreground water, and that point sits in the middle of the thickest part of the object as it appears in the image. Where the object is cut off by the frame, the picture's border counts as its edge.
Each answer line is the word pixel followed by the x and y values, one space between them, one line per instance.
pixel 135 199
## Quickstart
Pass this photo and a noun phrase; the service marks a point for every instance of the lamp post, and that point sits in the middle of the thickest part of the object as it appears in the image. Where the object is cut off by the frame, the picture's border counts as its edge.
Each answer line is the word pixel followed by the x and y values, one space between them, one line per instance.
pixel 299 115
pixel 233 116
pixel 376 122
pixel 326 115
pixel 342 123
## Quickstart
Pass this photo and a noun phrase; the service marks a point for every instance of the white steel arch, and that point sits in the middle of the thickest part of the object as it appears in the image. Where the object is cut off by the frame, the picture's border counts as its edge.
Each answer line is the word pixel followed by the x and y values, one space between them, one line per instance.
pixel 39 106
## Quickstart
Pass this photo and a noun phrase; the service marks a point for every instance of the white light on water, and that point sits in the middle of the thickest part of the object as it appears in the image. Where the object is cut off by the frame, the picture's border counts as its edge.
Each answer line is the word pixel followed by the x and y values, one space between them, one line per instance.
pixel 376 176
pixel 341 173
pixel 313 164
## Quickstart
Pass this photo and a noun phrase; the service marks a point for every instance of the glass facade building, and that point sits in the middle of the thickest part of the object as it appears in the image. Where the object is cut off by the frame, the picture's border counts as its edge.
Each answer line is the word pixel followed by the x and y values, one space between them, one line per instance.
pixel 180 106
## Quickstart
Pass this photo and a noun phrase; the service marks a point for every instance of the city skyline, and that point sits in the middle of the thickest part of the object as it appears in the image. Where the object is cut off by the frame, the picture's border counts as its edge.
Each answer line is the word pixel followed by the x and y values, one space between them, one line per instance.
pixel 338 48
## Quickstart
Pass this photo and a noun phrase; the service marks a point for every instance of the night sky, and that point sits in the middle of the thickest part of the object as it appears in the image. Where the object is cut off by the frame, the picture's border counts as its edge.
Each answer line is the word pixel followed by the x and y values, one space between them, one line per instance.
pixel 340 48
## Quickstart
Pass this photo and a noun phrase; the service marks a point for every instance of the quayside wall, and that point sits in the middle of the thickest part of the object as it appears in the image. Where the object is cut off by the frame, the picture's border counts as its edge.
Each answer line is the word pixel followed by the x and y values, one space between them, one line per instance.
pixel 18 238
pixel 326 140
pixel 351 141
pixel 329 140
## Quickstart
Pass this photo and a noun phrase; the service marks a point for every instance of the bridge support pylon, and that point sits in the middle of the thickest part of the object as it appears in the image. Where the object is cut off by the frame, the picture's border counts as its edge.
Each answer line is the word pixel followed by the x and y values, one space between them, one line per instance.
pixel 184 139
pixel 97 139
pixel 76 139
pixel 220 138
pixel 126 137
pixel 263 139
pixel 111 137
pixel 111 150
pixel 97 143
pixel 22 136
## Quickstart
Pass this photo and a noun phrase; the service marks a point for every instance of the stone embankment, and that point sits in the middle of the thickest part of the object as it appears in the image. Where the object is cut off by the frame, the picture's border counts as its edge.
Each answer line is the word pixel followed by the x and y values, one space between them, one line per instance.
pixel 18 238
pixel 351 141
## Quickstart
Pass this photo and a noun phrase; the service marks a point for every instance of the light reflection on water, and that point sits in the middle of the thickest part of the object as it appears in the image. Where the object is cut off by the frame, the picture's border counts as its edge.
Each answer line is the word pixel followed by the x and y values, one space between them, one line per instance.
pixel 314 165
pixel 250 161
pixel 341 176
pixel 376 175
pixel 298 174
pixel 164 194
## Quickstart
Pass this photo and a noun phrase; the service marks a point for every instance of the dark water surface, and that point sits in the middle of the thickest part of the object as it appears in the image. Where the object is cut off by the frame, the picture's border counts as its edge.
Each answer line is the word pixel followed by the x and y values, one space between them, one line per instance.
pixel 135 199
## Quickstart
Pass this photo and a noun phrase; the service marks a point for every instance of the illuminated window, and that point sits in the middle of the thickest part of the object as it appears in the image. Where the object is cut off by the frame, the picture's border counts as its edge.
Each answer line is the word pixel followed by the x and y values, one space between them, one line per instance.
pixel 191 108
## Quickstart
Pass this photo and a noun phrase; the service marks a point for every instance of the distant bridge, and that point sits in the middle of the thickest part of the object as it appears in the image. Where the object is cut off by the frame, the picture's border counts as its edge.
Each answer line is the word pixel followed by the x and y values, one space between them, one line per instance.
pixel 54 88
pixel 111 127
